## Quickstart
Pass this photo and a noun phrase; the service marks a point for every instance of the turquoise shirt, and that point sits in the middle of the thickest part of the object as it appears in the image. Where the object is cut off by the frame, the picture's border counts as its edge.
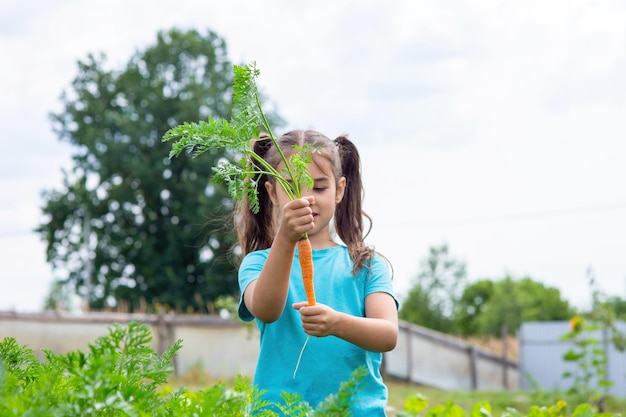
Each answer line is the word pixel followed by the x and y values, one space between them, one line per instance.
pixel 326 361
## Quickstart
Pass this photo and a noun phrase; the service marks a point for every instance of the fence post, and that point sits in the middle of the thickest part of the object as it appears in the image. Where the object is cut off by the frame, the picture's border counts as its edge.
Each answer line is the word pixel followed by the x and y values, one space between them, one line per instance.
pixel 505 363
pixel 165 337
pixel 409 354
pixel 473 373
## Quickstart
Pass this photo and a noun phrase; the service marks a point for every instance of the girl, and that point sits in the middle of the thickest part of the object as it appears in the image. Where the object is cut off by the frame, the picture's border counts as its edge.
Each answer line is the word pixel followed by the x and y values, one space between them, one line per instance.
pixel 355 317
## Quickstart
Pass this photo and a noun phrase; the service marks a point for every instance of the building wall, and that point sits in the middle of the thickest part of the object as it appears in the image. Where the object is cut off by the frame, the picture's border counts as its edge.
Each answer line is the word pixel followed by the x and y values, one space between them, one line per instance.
pixel 541 352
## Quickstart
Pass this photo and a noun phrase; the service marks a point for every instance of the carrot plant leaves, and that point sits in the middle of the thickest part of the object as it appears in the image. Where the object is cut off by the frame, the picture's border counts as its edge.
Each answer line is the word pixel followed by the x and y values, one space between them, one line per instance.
pixel 242 178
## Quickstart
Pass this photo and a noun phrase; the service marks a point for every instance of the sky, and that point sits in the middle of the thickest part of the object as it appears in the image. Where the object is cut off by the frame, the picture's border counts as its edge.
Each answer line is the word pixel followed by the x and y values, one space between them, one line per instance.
pixel 495 127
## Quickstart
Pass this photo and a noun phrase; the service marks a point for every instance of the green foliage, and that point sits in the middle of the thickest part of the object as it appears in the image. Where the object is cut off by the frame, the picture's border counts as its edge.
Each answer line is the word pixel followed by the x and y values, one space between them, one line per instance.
pixel 589 377
pixel 474 301
pixel 59 296
pixel 514 301
pixel 156 232
pixel 605 311
pixel 335 405
pixel 242 178
pixel 591 334
pixel 616 306
pixel 418 407
pixel 439 286
pixel 120 375
pixel 442 300
pixel 415 404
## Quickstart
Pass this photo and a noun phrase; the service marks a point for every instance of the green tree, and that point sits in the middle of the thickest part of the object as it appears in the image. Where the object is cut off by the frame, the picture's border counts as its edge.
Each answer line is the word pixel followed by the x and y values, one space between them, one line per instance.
pixel 514 301
pixel 129 225
pixel 471 305
pixel 440 283
pixel 617 305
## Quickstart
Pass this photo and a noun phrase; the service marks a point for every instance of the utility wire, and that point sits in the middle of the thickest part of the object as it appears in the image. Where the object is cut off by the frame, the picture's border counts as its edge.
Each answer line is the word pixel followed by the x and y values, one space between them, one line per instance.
pixel 505 218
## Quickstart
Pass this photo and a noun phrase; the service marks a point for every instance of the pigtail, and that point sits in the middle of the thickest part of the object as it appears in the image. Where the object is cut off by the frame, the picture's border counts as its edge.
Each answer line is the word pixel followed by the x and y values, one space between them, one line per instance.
pixel 255 231
pixel 349 214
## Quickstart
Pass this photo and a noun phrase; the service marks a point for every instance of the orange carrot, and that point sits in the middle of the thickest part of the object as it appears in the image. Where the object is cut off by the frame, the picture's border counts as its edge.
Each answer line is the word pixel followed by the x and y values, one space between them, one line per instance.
pixel 305 256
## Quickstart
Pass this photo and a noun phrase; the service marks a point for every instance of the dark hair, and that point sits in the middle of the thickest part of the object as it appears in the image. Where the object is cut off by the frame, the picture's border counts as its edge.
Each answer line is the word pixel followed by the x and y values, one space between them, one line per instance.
pixel 256 231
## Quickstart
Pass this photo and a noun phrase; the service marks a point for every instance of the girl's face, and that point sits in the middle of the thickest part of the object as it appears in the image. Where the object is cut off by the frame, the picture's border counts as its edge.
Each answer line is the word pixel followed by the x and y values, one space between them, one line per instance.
pixel 327 191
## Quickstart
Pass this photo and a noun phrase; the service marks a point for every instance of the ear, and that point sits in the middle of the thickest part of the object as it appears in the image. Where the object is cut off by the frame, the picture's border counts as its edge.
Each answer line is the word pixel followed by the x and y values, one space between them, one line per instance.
pixel 271 191
pixel 341 188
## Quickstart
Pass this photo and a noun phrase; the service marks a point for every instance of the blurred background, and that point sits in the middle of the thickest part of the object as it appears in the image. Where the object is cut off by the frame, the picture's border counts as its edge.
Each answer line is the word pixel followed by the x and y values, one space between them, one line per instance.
pixel 491 135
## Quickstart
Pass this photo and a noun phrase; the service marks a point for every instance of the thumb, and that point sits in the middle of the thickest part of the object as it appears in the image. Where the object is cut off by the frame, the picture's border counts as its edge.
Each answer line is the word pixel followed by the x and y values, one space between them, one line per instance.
pixel 298 306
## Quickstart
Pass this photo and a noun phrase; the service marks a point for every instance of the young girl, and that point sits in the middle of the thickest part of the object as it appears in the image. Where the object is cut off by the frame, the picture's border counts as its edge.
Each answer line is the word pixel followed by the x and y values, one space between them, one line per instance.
pixel 355 317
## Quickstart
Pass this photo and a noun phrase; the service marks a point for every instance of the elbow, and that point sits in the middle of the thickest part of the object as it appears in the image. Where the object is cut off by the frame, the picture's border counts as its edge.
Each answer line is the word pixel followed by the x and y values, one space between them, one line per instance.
pixel 268 317
pixel 389 345
pixel 391 341
pixel 386 341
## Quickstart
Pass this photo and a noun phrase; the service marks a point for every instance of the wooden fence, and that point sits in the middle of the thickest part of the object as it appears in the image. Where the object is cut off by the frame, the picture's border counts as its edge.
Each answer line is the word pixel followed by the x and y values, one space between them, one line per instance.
pixel 431 358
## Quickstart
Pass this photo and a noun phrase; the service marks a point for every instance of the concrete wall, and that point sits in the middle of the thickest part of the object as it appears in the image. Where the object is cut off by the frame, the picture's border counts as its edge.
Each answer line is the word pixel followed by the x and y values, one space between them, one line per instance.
pixel 222 347
pixel 225 348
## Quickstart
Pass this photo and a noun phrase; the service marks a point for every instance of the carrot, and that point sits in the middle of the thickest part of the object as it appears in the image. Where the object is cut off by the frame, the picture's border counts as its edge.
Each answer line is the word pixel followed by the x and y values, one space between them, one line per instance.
pixel 234 136
pixel 305 256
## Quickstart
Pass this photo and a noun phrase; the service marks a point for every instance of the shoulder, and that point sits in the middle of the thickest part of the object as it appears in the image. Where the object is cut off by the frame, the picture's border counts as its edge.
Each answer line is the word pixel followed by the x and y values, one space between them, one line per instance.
pixel 381 264
pixel 378 268
pixel 254 257
pixel 253 262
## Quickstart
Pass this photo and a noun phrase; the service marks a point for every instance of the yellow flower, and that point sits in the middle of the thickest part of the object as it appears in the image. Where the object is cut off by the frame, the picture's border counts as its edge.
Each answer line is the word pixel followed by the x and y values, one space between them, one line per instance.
pixel 576 324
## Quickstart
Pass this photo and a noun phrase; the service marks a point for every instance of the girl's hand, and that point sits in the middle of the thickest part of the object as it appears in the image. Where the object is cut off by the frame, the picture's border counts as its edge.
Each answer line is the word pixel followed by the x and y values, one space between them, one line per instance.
pixel 297 218
pixel 317 320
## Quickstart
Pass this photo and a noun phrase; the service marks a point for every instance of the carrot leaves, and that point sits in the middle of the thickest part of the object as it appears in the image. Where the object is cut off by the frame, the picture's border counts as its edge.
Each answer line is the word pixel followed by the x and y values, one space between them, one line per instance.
pixel 242 177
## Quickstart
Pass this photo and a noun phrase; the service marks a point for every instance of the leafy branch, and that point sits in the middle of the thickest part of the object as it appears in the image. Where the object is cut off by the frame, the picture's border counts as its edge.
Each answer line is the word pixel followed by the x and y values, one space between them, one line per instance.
pixel 234 137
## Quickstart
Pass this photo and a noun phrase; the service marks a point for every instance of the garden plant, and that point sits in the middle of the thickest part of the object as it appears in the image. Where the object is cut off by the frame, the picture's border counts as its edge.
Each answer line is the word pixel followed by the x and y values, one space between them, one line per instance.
pixel 120 375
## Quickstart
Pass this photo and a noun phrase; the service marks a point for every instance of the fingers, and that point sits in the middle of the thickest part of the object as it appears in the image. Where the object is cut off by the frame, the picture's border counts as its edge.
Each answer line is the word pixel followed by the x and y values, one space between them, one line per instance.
pixel 298 306
pixel 317 320
pixel 302 208
pixel 297 216
pixel 310 310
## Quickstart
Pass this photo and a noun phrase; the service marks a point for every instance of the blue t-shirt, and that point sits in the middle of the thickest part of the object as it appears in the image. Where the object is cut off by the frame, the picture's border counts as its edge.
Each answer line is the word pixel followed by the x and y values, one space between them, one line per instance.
pixel 326 361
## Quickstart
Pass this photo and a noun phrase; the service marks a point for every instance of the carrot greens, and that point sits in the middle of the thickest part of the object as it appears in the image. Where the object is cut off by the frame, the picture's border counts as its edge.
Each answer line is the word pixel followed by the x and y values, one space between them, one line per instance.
pixel 242 177
pixel 234 137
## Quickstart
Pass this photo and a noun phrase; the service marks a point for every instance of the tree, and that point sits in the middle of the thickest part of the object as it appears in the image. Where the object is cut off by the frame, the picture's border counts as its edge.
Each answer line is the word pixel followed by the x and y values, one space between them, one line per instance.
pixel 514 301
pixel 130 225
pixel 439 285
pixel 471 305
pixel 617 305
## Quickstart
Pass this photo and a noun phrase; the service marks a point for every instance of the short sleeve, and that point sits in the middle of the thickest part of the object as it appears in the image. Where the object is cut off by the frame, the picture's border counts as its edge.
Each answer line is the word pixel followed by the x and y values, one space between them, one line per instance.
pixel 249 271
pixel 379 278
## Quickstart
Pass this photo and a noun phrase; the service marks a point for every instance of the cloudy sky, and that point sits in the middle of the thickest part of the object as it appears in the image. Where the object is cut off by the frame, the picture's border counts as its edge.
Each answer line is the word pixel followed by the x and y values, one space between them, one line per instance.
pixel 496 127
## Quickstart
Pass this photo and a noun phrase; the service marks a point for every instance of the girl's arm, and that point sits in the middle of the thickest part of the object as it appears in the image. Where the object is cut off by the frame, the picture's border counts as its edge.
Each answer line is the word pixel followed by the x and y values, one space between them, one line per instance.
pixel 377 331
pixel 266 296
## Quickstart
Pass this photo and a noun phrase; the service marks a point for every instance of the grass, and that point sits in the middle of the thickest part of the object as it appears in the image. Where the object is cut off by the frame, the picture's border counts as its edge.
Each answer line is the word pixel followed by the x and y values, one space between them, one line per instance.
pixel 500 401
pixel 400 391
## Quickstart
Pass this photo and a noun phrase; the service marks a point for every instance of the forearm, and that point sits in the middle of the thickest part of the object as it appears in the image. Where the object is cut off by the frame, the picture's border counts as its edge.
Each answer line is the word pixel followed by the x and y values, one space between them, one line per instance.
pixel 373 334
pixel 269 292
